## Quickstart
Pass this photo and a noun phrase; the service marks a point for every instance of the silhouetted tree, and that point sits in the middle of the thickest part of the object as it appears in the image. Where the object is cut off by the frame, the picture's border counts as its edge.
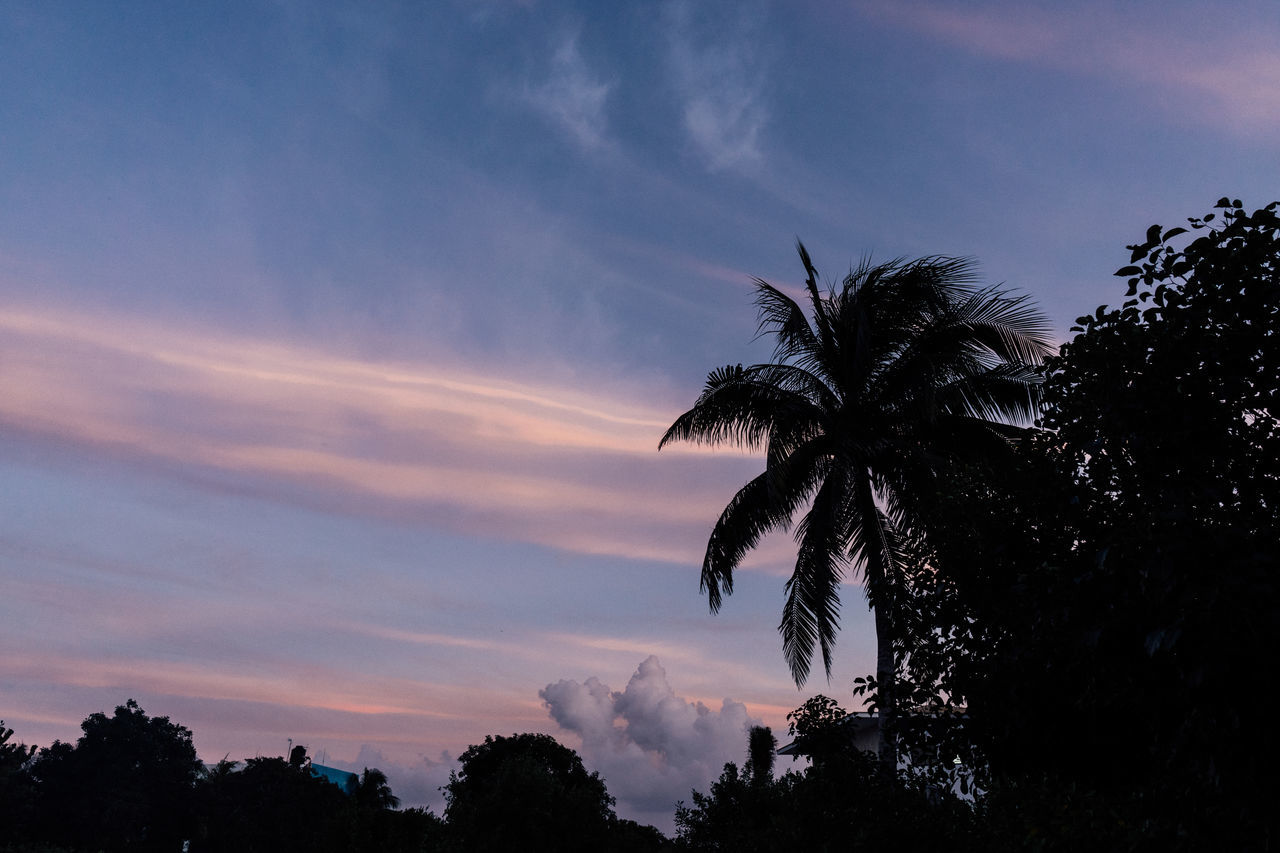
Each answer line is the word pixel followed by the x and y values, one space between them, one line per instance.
pixel 127 784
pixel 510 792
pixel 16 793
pixel 277 805
pixel 762 748
pixel 1142 644
pixel 840 802
pixel 903 368
pixel 373 792
pixel 272 805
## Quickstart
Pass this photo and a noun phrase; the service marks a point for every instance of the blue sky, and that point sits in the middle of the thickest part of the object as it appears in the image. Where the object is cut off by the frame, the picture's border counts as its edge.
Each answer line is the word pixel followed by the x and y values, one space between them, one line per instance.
pixel 336 339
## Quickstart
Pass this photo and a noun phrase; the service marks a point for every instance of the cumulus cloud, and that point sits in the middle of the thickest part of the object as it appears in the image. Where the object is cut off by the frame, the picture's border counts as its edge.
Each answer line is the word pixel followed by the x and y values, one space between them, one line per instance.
pixel 650 745
pixel 571 95
pixel 718 73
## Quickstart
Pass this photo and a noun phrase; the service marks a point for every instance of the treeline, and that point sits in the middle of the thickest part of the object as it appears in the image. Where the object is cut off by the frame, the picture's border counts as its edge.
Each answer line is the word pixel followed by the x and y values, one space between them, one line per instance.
pixel 133 782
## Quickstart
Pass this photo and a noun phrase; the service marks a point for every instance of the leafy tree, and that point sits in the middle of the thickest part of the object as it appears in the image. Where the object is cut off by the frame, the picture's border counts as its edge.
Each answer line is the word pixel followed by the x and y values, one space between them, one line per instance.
pixel 1131 647
pixel 900 371
pixel 819 728
pixel 128 783
pixel 527 788
pixel 277 805
pixel 271 805
pixel 15 785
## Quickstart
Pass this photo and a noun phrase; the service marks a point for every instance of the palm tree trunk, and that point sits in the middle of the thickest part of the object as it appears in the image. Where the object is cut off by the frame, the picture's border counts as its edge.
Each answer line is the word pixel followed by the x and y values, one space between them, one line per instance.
pixel 886 671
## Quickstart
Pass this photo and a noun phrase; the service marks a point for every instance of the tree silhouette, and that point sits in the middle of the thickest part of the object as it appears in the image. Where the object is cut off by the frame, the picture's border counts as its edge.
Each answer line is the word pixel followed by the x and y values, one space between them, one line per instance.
pixel 15 784
pixel 373 791
pixel 272 805
pixel 128 783
pixel 762 748
pixel 904 367
pixel 1143 638
pixel 513 791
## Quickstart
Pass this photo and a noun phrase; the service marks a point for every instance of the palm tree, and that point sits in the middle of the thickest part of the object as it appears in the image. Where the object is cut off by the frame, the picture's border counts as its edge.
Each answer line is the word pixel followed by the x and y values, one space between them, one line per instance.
pixel 373 792
pixel 908 366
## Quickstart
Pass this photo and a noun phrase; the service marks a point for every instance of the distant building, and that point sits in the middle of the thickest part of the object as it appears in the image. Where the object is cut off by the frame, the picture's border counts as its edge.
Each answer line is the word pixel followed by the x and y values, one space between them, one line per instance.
pixel 344 779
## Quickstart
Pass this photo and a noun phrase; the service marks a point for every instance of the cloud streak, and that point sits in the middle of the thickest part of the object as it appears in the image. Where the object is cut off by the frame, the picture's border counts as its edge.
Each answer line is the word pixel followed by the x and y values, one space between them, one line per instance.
pixel 471 453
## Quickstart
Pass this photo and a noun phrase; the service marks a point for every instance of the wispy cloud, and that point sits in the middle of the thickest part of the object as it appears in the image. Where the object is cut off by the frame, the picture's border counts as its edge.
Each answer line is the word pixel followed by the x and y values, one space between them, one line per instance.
pixel 718 71
pixel 571 96
pixel 472 453
pixel 1228 73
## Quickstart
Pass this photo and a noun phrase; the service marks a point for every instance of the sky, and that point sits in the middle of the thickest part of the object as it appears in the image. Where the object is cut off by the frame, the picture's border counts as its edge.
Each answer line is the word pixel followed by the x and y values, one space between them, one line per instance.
pixel 336 339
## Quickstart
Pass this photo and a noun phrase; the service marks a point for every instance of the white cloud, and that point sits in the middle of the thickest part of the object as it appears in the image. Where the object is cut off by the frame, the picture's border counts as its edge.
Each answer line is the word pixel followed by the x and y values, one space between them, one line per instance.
pixel 650 745
pixel 719 76
pixel 571 96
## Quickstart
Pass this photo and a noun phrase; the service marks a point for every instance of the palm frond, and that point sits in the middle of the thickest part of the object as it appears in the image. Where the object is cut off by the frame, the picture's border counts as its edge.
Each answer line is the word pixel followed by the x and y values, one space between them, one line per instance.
pixel 797 379
pixel 811 614
pixel 735 407
pixel 818 304
pixel 1008 326
pixel 874 541
pixel 767 502
pixel 779 315
pixel 1005 393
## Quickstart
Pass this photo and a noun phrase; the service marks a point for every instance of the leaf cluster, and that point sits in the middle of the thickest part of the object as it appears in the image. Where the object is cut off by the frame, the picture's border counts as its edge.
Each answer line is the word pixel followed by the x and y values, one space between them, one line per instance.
pixel 1106 611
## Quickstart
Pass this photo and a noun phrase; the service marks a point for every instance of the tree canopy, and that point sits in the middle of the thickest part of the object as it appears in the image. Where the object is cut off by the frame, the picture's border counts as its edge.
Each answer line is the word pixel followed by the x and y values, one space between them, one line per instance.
pixel 1111 618
pixel 512 789
pixel 128 782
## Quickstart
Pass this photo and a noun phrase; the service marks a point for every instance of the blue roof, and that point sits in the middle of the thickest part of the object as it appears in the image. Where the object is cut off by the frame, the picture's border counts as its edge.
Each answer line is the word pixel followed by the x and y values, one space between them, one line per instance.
pixel 344 779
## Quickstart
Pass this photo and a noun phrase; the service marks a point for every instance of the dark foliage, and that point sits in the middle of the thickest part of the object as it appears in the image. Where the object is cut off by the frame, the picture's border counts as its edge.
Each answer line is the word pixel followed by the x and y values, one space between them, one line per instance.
pixel 271 804
pixel 128 783
pixel 16 791
pixel 840 802
pixel 133 782
pixel 1106 608
pixel 511 792
pixel 762 747
pixel 277 805
pixel 881 384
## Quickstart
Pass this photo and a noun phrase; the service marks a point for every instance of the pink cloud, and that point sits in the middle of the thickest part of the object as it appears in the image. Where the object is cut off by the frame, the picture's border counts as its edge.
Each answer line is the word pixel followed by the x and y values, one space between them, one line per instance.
pixel 479 454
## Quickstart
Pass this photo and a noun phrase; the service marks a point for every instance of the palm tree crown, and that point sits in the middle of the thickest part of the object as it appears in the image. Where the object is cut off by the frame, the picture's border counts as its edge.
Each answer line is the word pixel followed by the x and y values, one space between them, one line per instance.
pixel 903 368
